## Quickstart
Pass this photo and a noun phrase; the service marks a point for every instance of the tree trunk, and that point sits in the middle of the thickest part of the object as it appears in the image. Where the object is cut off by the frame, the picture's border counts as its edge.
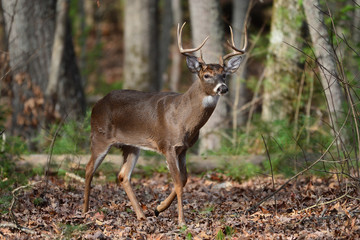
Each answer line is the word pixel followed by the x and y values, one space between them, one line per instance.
pixel 355 30
pixel 238 91
pixel 141 51
pixel 164 44
pixel 282 72
pixel 3 38
pixel 175 55
pixel 326 62
pixel 31 27
pixel 206 21
pixel 4 59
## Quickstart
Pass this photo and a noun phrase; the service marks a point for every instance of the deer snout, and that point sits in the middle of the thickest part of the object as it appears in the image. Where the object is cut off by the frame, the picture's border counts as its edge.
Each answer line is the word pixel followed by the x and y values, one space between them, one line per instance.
pixel 221 89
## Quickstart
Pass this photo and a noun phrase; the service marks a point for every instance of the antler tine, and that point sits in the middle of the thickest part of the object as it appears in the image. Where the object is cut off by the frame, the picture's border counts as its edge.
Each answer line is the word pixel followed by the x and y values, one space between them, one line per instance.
pixel 191 50
pixel 236 51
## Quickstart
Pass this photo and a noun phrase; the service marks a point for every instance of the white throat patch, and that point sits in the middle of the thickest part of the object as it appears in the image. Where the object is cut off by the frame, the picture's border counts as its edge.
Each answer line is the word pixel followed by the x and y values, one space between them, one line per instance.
pixel 210 101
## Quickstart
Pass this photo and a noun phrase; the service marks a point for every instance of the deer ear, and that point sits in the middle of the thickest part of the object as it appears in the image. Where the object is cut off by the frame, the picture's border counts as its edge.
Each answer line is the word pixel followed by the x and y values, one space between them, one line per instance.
pixel 193 64
pixel 234 63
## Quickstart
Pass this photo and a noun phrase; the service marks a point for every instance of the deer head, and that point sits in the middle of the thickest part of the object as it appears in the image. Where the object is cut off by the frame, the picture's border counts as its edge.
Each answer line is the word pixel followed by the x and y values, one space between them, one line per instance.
pixel 212 76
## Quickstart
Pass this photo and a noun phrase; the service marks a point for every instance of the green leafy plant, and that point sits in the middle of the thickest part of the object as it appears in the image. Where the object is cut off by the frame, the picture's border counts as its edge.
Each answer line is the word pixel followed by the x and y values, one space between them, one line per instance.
pixel 209 208
pixel 220 235
pixel 189 236
pixel 70 231
pixel 38 201
pixel 5 201
pixel 229 231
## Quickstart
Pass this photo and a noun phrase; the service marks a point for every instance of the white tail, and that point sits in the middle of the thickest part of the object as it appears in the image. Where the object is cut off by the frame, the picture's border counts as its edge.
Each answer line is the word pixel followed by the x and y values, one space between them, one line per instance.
pixel 164 122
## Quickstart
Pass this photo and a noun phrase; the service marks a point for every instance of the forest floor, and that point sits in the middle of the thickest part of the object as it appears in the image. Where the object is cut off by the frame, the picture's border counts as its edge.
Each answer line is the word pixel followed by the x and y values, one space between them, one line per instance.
pixel 214 207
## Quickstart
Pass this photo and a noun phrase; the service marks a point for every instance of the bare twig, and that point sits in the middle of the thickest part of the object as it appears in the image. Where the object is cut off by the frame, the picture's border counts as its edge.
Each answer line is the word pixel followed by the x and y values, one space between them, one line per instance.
pixel 296 175
pixel 75 177
pixel 324 203
pixel 272 172
pixel 298 102
pixel 308 108
pixel 252 109
pixel 16 226
pixel 13 201
pixel 52 148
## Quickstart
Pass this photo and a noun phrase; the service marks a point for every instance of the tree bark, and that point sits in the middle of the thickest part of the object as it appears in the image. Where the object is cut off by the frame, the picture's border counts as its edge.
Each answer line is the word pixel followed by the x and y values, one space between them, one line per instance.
pixel 206 21
pixel 355 30
pixel 175 55
pixel 30 27
pixel 238 91
pixel 141 51
pixel 164 44
pixel 282 72
pixel 3 38
pixel 4 59
pixel 326 59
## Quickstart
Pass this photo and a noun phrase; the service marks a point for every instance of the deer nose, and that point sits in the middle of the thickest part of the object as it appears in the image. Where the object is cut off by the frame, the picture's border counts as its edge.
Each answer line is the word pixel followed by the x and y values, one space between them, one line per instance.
pixel 222 89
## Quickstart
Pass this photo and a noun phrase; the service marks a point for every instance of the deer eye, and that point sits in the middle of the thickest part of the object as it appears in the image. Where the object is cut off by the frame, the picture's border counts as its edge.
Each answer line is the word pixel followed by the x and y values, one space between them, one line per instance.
pixel 206 76
pixel 224 75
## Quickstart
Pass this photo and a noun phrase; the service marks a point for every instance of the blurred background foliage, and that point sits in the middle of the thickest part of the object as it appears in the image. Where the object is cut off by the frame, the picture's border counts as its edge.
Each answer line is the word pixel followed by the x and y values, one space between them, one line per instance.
pixel 280 107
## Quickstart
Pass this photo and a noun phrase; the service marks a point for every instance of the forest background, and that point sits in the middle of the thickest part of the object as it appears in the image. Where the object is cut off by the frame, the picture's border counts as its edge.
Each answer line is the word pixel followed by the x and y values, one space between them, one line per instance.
pixel 292 107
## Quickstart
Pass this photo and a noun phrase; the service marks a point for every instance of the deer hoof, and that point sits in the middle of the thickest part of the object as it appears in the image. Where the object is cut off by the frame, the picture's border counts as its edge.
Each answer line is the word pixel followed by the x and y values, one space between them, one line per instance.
pixel 156 212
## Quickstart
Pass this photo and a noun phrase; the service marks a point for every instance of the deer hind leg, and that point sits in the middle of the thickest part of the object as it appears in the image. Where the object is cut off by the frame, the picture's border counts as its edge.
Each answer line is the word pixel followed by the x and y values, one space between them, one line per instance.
pixel 98 153
pixel 131 155
pixel 179 174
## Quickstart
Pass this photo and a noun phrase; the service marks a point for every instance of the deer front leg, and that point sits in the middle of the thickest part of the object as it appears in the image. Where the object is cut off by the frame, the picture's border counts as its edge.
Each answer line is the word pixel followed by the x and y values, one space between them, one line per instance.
pixel 98 153
pixel 131 155
pixel 177 167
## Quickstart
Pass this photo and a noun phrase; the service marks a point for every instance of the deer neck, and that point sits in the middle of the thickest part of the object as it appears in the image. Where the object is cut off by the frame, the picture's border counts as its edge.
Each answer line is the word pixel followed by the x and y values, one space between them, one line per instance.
pixel 199 99
pixel 199 105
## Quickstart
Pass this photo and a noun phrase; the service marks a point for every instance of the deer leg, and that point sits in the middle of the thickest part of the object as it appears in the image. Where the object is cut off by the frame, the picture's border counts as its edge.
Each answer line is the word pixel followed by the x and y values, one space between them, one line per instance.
pixel 98 153
pixel 166 203
pixel 183 172
pixel 177 167
pixel 131 155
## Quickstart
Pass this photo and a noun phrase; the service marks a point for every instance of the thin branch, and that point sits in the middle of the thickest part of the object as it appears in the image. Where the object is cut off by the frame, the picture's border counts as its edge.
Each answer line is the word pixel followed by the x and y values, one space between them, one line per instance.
pixel 13 201
pixel 295 176
pixel 16 226
pixel 48 161
pixel 271 169
pixel 324 203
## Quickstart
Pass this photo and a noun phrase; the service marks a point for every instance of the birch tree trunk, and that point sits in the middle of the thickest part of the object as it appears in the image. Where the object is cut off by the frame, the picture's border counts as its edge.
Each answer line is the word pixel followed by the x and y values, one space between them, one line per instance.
pixel 282 72
pixel 206 21
pixel 326 62
pixel 141 51
pixel 31 27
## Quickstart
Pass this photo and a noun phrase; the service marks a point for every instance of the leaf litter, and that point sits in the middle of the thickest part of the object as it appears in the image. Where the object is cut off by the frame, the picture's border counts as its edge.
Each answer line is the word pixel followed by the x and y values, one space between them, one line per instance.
pixel 215 207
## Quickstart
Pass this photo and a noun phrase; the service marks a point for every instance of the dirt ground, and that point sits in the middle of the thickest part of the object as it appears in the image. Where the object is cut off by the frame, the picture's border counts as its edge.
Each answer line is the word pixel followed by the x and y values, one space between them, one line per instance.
pixel 214 207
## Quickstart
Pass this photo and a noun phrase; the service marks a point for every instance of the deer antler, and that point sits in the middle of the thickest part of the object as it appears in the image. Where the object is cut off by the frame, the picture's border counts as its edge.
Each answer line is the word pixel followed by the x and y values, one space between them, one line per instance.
pixel 191 50
pixel 232 45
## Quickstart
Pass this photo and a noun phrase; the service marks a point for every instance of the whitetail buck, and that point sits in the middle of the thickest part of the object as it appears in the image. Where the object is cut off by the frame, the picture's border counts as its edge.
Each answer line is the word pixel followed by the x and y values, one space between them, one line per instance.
pixel 165 122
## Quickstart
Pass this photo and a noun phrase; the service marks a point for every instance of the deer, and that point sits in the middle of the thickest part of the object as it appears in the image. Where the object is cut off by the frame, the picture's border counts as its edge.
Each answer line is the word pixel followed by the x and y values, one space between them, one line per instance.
pixel 164 122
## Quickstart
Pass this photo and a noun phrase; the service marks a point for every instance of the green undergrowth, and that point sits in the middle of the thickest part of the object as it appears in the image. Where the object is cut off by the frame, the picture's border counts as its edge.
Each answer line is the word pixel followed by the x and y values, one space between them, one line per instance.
pixel 71 231
pixel 71 137
pixel 241 171
pixel 286 152
pixel 11 177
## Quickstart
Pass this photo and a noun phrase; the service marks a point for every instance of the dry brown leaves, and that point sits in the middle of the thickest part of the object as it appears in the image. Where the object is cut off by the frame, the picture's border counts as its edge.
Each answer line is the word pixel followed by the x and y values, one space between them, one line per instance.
pixel 214 206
